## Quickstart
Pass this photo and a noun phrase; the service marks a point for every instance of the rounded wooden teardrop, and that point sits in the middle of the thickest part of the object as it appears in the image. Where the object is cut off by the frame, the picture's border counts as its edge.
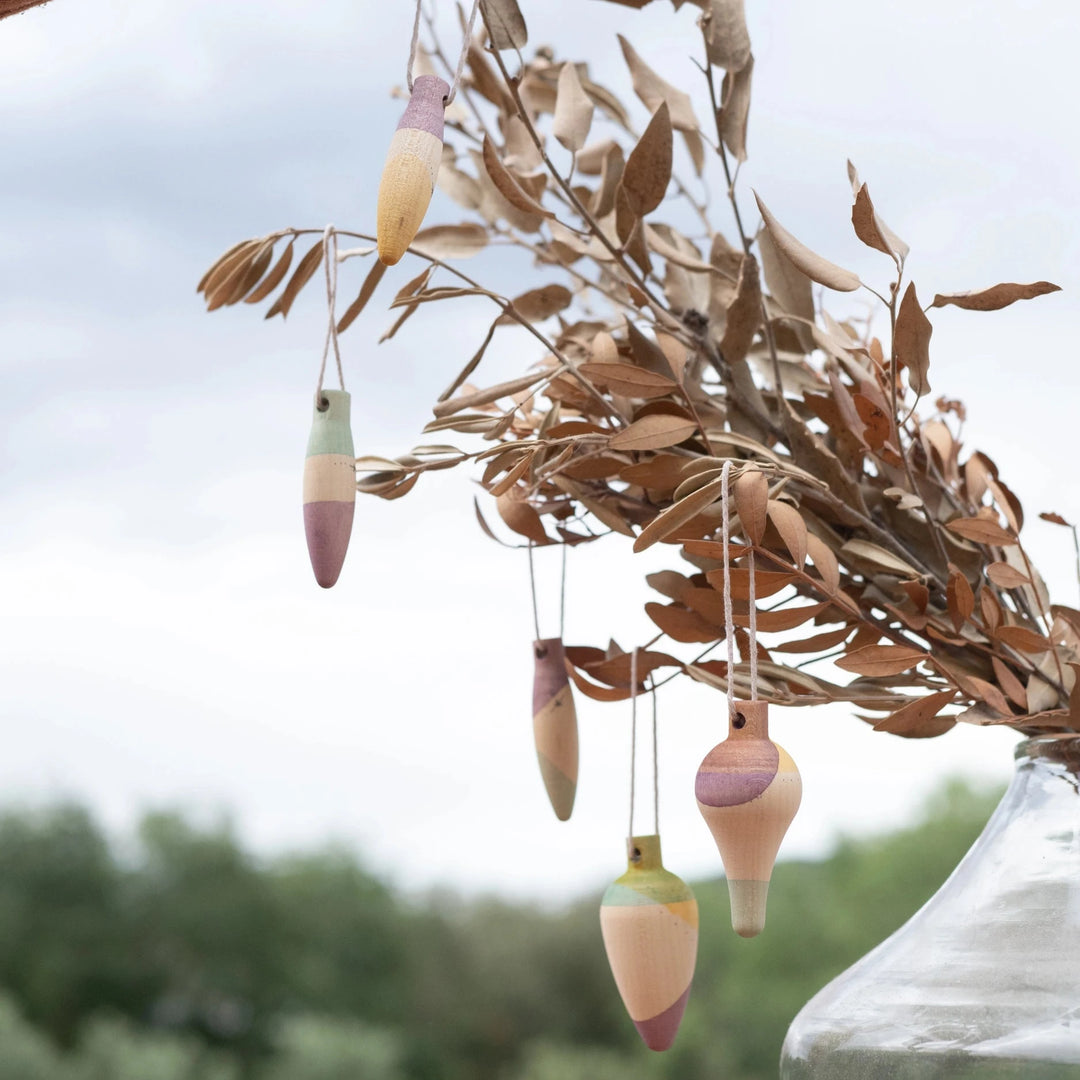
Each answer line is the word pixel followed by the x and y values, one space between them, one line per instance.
pixel 649 920
pixel 411 169
pixel 329 487
pixel 748 790
pixel 555 726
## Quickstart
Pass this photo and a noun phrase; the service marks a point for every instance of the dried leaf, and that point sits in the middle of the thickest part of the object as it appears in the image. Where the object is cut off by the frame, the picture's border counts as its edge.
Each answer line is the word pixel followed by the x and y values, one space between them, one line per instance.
pixel 1006 576
pixel 670 583
pixel 982 531
pixel 539 304
pixel 878 661
pixel 681 624
pixel 766 582
pixel 521 517
pixel 275 277
pixel 628 379
pixel 654 91
pixel 911 340
pixel 735 108
pixel 788 285
pixel 825 562
pixel 367 290
pixel 817 643
pixel 653 433
pixel 792 529
pixel 727 41
pixel 960 599
pixel 451 241
pixel 648 168
pixel 871 230
pixel 811 264
pixel 1008 682
pixel 508 185
pixel 301 276
pixel 770 622
pixel 1054 519
pixel 920 719
pixel 1019 637
pixel 751 492
pixel 505 23
pixel 449 406
pixel 864 552
pixel 743 314
pixel 678 514
pixel 573 111
pixel 996 297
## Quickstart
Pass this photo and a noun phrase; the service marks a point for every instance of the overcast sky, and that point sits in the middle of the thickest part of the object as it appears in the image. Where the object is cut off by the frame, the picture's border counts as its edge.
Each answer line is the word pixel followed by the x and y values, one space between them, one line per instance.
pixel 163 641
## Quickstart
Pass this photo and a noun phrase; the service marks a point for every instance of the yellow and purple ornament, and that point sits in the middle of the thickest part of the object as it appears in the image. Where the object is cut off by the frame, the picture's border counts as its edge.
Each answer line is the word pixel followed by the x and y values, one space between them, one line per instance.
pixel 411 169
pixel 555 725
pixel 748 790
pixel 649 920
pixel 329 486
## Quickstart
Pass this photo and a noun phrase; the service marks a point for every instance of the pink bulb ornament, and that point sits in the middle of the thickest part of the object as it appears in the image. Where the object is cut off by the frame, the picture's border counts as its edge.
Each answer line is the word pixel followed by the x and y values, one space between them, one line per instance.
pixel 555 730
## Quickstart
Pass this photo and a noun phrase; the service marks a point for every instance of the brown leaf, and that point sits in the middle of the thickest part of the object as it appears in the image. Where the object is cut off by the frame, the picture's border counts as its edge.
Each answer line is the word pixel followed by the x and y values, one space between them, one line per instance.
pixel 996 297
pixel 788 285
pixel 792 529
pixel 735 108
pixel 521 517
pixel 618 670
pixel 727 42
pixel 751 492
pixel 610 176
pixel 655 92
pixel 485 397
pixel 1008 682
pixel 371 281
pixel 769 622
pixel 766 582
pixel 653 433
pixel 863 553
pixel 648 169
pixel 981 530
pixel 743 314
pixel 991 609
pixel 817 643
pixel 663 472
pixel 238 255
pixel 1054 519
pixel 573 110
pixel 301 276
pixel 678 514
pixel 275 277
pixel 911 341
pixel 919 719
pixel 539 304
pixel 871 230
pixel 505 23
pixel 670 583
pixel 810 263
pixel 1019 637
pixel 451 241
pixel 628 379
pixel 1006 576
pixel 882 660
pixel 681 624
pixel 513 476
pixel 960 598
pixel 824 561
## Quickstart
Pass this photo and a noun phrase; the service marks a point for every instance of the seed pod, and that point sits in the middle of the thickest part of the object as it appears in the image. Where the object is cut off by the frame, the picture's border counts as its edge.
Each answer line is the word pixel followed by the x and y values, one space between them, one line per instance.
pixel 555 726
pixel 748 790
pixel 411 169
pixel 649 920
pixel 329 487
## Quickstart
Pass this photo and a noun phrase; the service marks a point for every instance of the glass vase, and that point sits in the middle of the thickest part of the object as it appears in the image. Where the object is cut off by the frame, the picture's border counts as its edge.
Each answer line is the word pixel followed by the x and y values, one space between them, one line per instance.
pixel 984 981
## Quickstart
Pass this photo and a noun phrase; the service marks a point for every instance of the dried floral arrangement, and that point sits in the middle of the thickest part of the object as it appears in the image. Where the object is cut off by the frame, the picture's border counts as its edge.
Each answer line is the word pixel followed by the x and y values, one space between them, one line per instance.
pixel 662 352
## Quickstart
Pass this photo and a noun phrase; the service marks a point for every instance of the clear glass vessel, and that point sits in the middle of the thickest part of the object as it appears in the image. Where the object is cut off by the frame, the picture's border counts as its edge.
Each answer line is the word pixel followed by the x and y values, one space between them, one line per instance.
pixel 984 981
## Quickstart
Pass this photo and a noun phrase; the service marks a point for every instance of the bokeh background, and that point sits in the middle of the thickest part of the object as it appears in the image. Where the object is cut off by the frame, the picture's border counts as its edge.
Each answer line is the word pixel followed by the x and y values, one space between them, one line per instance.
pixel 164 647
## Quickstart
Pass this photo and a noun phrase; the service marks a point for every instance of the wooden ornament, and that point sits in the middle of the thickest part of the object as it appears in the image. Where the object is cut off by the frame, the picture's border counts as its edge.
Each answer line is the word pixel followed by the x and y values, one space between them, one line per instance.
pixel 649 920
pixel 748 790
pixel 329 487
pixel 555 726
pixel 411 169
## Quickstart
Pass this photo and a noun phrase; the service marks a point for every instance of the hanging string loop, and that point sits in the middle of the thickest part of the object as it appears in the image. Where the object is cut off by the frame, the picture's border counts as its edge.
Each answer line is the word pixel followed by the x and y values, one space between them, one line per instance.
pixel 415 45
pixel 729 620
pixel 330 259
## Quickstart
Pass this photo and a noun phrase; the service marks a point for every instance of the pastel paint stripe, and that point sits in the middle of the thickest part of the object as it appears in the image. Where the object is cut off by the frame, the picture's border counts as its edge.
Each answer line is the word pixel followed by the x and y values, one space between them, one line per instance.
pixel 555 732
pixel 329 487
pixel 411 169
pixel 651 946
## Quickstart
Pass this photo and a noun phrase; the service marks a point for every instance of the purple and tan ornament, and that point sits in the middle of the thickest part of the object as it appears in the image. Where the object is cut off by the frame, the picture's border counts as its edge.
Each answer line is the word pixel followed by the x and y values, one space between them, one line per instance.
pixel 748 790
pixel 649 920
pixel 555 726
pixel 411 169
pixel 329 486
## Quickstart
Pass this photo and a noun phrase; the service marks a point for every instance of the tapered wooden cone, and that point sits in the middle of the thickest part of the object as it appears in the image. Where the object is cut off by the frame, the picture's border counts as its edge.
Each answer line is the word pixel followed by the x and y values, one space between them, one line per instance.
pixel 555 726
pixel 411 169
pixel 329 487
pixel 649 919
pixel 748 790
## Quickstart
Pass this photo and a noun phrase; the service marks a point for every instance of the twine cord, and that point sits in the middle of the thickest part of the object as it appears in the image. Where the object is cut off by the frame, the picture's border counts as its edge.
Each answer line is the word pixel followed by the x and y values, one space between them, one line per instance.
pixel 633 745
pixel 562 595
pixel 655 761
pixel 330 258
pixel 753 629
pixel 415 45
pixel 729 621
pixel 532 586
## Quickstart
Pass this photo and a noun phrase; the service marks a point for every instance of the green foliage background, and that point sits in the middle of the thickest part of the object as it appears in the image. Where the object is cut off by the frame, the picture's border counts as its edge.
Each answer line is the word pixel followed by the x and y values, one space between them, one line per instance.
pixel 183 956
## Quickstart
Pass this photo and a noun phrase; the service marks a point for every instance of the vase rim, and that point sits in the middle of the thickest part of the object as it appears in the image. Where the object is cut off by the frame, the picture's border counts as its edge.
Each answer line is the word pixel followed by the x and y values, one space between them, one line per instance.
pixel 1062 747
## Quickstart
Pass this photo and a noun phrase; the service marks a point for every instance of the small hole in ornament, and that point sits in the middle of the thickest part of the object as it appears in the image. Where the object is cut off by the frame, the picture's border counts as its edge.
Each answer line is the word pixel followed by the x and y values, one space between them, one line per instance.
pixel 323 405
pixel 635 855
pixel 739 722
pixel 541 652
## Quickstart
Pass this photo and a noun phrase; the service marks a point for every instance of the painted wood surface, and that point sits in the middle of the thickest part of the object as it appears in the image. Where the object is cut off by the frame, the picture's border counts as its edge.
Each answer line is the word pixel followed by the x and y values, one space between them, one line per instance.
pixel 411 169
pixel 748 790
pixel 329 487
pixel 555 726
pixel 649 920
